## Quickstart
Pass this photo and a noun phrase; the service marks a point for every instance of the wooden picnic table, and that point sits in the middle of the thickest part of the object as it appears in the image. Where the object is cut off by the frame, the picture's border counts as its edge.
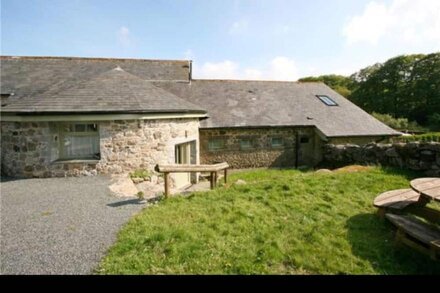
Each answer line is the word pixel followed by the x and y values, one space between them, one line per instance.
pixel 399 207
pixel 429 188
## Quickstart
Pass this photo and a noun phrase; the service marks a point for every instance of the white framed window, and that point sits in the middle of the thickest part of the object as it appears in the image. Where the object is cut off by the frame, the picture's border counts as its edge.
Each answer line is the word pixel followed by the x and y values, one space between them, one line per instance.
pixel 215 144
pixel 276 142
pixel 79 141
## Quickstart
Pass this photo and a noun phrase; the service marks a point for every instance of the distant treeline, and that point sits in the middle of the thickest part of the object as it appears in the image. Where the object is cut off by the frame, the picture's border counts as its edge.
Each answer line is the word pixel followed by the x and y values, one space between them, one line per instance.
pixel 406 86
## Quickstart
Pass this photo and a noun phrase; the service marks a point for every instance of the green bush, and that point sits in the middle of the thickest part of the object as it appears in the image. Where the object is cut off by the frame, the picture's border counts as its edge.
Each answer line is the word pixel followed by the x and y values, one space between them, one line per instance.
pixel 427 137
pixel 140 173
pixel 398 123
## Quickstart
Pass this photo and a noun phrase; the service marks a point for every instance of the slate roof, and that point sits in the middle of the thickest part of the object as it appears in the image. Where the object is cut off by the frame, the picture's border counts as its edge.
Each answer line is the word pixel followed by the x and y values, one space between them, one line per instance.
pixel 114 91
pixel 239 103
pixel 34 75
pixel 60 84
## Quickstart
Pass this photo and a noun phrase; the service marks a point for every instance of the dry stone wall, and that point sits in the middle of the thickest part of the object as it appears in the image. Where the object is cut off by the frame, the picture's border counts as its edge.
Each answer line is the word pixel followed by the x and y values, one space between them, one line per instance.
pixel 419 156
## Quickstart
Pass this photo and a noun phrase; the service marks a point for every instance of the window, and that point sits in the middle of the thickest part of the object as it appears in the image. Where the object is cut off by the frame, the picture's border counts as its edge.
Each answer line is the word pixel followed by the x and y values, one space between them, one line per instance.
pixel 246 144
pixel 326 100
pixel 304 139
pixel 276 142
pixel 216 144
pixel 79 141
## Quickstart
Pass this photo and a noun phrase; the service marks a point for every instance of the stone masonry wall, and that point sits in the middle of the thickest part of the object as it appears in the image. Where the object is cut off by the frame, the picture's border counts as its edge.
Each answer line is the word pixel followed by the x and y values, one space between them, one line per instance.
pixel 130 144
pixel 420 156
pixel 261 155
pixel 32 149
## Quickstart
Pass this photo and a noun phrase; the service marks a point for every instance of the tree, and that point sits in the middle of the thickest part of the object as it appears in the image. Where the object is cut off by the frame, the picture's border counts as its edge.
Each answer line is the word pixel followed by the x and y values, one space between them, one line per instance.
pixel 405 86
pixel 341 84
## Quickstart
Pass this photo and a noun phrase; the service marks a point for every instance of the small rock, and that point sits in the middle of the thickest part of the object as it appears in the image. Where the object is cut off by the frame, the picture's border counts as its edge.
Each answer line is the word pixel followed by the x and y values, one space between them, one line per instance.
pixel 323 171
pixel 240 182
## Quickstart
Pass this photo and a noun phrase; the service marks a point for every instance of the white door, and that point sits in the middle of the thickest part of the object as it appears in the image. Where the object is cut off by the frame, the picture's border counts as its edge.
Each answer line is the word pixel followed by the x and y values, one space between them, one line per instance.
pixel 183 156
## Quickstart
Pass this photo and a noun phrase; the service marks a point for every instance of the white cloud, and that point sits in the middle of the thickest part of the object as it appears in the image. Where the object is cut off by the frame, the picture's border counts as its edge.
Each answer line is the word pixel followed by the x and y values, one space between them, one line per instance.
pixel 224 69
pixel 279 68
pixel 124 36
pixel 402 21
pixel 239 27
pixel 283 68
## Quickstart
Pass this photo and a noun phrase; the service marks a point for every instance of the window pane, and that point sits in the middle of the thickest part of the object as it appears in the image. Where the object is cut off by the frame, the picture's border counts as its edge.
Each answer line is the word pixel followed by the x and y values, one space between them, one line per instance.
pixel 326 100
pixel 80 127
pixel 216 144
pixel 92 127
pixel 245 143
pixel 277 141
pixel 81 146
pixel 304 139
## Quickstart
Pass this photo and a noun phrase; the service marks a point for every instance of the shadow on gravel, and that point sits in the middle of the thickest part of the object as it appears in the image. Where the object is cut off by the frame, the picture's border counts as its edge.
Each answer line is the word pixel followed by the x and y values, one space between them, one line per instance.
pixel 124 202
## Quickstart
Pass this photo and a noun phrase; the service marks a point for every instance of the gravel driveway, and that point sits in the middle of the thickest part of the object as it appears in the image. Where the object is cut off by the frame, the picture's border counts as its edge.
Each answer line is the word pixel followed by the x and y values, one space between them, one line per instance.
pixel 59 225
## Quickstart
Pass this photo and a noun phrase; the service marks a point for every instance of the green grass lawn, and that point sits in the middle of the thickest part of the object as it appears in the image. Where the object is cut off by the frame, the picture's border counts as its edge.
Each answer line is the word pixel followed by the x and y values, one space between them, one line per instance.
pixel 280 222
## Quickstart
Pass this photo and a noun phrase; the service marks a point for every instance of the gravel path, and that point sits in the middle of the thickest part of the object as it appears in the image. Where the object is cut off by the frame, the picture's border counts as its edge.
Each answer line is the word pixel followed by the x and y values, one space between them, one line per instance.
pixel 59 225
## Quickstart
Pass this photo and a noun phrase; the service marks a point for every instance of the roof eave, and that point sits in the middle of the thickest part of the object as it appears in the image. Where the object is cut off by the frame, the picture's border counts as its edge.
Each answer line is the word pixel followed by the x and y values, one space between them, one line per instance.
pixel 31 112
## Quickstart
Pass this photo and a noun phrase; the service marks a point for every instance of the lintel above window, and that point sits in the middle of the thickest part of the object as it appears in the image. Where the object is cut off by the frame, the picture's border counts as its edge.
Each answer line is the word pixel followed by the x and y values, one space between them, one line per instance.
pixel 327 100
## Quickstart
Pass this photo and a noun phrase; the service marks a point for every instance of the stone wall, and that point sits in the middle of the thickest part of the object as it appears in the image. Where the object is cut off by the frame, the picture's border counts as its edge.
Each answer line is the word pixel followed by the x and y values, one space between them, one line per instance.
pixel 420 156
pixel 262 153
pixel 32 149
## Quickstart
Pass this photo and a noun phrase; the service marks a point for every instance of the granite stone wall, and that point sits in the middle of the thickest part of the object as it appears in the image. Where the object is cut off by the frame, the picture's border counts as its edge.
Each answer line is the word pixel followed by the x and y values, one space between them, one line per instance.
pixel 262 153
pixel 420 156
pixel 31 149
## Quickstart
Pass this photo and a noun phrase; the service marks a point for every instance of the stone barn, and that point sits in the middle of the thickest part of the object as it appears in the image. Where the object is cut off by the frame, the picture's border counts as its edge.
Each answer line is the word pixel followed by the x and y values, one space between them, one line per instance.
pixel 65 116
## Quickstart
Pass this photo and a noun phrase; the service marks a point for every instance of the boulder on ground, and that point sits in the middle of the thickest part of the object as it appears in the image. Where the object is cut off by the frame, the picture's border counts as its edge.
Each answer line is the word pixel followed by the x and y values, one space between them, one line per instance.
pixel 123 186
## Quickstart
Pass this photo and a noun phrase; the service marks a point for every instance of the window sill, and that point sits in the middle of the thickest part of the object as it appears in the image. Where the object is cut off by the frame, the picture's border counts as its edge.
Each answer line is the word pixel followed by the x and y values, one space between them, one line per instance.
pixel 76 161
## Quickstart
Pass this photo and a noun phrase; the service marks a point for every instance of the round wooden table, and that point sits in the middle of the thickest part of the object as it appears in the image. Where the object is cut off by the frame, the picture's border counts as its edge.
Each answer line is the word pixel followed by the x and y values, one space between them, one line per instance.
pixel 428 187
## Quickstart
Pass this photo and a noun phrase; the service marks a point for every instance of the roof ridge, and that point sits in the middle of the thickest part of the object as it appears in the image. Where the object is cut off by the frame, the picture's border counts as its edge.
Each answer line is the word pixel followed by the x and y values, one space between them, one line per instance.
pixel 92 58
pixel 255 80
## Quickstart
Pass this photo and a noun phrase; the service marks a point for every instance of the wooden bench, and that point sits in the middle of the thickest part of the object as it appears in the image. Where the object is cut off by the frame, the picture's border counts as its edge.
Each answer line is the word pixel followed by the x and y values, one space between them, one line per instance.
pixel 417 234
pixel 395 200
pixel 180 168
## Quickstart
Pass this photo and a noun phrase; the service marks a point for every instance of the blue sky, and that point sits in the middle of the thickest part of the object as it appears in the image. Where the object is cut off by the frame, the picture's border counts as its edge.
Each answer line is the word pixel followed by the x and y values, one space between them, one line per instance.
pixel 273 39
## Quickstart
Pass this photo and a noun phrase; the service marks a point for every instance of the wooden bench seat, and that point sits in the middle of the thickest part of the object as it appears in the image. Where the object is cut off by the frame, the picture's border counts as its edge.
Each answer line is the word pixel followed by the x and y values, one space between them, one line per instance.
pixel 395 200
pixel 416 234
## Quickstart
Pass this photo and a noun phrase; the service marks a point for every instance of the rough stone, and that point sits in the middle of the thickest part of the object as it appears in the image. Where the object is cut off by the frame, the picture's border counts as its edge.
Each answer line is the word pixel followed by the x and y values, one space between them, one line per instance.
pixel 262 154
pixel 125 145
pixel 413 155
pixel 122 186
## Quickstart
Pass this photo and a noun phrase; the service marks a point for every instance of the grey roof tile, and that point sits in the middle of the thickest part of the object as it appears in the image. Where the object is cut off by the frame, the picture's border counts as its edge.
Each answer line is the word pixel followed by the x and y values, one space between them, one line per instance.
pixel 240 103
pixel 114 91
pixel 34 75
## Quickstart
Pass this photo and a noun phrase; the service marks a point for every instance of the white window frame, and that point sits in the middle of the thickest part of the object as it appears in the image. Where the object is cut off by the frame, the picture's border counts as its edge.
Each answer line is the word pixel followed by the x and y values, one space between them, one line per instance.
pixel 74 133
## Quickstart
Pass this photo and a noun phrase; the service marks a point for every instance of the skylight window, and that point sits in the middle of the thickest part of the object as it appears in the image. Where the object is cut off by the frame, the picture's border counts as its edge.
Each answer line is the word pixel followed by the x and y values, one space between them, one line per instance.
pixel 326 100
